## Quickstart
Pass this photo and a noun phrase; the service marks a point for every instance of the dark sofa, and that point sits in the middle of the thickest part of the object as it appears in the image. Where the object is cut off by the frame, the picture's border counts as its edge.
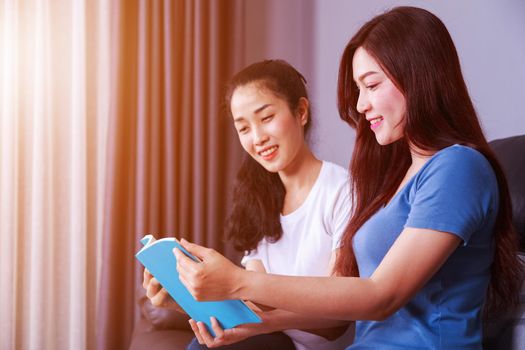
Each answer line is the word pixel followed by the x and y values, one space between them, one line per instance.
pixel 159 328
pixel 509 331
pixel 164 329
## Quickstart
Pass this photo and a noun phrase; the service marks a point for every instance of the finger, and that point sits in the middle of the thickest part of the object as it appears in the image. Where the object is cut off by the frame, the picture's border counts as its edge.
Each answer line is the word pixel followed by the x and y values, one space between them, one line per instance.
pixel 195 249
pixel 179 255
pixel 206 336
pixel 160 298
pixel 182 263
pixel 155 284
pixel 189 271
pixel 182 259
pixel 153 288
pixel 186 283
pixel 146 279
pixel 217 329
pixel 196 331
pixel 186 267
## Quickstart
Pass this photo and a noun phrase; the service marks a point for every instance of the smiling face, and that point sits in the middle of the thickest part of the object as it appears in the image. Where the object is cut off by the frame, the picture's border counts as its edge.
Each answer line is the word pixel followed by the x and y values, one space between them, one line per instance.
pixel 381 102
pixel 267 128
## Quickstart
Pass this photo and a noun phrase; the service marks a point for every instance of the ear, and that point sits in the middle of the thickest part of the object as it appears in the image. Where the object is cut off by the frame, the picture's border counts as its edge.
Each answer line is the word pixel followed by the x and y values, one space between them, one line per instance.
pixel 302 110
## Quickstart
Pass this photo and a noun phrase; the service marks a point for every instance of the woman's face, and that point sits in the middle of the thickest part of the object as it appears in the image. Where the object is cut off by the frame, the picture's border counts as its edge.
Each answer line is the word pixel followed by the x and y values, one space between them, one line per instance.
pixel 379 100
pixel 267 128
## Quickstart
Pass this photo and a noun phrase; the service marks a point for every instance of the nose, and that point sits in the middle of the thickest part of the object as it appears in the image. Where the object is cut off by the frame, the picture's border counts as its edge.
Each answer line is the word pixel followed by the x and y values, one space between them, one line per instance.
pixel 259 136
pixel 363 104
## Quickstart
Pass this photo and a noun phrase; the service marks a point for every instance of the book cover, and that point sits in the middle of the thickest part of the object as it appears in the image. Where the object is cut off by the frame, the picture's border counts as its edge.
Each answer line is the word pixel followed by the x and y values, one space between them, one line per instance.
pixel 157 256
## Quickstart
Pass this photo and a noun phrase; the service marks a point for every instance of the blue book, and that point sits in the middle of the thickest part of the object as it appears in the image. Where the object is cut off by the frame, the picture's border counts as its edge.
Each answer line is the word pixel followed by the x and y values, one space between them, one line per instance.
pixel 157 256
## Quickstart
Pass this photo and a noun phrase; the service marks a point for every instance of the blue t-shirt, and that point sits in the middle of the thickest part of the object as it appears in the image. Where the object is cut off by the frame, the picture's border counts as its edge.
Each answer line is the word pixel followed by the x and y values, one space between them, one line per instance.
pixel 456 191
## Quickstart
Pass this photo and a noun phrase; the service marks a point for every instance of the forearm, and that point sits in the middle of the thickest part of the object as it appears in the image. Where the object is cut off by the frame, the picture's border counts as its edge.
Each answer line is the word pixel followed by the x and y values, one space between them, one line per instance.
pixel 279 320
pixel 413 259
pixel 416 255
pixel 339 298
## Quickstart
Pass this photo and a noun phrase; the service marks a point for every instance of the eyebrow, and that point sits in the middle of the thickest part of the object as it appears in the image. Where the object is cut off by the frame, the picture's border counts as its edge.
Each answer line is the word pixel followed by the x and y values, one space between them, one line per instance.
pixel 263 107
pixel 364 75
pixel 258 110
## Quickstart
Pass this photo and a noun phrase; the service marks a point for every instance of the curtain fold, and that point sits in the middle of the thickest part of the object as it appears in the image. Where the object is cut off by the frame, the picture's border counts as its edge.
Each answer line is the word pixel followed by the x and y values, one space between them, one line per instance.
pixel 172 154
pixel 110 128
pixel 51 171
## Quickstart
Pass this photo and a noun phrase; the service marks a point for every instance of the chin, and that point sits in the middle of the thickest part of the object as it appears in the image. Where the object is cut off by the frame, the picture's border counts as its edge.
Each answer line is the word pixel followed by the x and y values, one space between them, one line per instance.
pixel 382 142
pixel 385 141
pixel 272 168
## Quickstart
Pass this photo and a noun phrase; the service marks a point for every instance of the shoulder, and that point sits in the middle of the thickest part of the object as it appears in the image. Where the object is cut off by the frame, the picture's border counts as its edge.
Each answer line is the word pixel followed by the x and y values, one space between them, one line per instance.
pixel 458 170
pixel 459 154
pixel 460 161
pixel 334 183
pixel 334 173
pixel 456 191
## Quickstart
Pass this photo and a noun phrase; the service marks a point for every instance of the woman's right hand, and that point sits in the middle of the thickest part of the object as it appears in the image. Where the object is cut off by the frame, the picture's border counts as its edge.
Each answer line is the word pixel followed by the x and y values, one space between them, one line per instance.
pixel 158 296
pixel 227 336
pixel 212 278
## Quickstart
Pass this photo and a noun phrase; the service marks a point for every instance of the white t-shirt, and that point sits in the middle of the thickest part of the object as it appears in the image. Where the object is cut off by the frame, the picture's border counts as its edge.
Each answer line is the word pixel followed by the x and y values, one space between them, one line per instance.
pixel 310 234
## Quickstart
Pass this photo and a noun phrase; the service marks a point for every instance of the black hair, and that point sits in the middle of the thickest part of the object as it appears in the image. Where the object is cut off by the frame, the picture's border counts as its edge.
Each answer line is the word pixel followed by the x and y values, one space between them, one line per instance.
pixel 258 195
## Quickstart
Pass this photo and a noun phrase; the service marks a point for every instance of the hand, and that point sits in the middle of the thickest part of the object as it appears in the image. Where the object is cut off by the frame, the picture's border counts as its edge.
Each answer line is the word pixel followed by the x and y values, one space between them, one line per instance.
pixel 158 296
pixel 224 337
pixel 213 278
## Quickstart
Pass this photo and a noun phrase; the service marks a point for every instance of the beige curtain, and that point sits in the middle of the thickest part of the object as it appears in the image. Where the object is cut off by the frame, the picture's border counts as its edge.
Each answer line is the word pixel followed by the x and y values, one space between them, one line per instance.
pixel 110 127
pixel 173 154
pixel 54 104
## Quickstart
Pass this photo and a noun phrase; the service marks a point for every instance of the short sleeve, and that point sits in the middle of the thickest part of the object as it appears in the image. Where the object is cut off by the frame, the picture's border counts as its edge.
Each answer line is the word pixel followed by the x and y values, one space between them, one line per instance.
pixel 341 215
pixel 455 192
pixel 260 253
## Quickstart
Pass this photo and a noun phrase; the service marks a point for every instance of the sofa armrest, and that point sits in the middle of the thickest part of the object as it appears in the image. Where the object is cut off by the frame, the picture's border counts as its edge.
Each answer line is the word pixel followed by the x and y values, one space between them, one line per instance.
pixel 145 337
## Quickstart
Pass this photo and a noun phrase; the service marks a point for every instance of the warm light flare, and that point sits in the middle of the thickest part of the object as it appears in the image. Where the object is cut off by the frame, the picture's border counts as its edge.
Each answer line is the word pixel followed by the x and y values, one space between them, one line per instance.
pixel 51 128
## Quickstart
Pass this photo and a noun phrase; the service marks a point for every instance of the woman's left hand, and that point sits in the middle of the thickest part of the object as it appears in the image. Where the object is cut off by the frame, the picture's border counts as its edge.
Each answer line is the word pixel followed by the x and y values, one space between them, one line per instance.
pixel 224 337
pixel 213 278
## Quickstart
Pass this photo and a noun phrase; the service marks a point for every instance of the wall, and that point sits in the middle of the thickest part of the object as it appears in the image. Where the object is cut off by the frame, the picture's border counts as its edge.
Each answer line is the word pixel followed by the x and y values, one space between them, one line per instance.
pixel 489 36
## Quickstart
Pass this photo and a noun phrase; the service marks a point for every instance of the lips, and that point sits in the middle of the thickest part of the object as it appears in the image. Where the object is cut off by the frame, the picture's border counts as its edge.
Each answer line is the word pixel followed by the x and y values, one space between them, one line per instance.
pixel 375 122
pixel 268 152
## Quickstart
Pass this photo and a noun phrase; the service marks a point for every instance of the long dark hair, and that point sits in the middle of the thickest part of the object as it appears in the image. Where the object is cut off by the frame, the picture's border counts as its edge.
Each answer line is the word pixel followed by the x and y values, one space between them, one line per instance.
pixel 258 195
pixel 416 51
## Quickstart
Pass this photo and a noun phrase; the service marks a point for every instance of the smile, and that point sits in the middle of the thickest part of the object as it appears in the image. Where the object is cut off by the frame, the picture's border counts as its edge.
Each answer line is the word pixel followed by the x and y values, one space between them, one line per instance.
pixel 374 123
pixel 268 151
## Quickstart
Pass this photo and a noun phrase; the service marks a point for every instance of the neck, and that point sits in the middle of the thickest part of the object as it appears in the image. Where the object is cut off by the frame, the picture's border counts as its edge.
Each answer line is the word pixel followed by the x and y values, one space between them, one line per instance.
pixel 302 172
pixel 419 157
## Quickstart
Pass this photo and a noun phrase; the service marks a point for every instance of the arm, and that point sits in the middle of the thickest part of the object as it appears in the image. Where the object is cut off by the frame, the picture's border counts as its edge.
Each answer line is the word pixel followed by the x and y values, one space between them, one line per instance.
pixel 279 319
pixel 273 321
pixel 234 335
pixel 413 259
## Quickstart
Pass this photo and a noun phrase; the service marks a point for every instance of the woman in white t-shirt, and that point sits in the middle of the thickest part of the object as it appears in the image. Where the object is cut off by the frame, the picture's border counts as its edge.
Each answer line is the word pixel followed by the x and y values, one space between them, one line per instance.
pixel 289 208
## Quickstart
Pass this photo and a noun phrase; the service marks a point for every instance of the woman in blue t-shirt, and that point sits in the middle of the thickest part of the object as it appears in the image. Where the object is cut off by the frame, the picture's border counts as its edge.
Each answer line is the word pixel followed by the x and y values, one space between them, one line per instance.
pixel 430 247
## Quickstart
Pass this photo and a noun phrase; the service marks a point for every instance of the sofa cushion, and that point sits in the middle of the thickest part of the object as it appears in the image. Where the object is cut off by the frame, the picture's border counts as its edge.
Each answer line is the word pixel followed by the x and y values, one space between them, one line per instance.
pixel 508 331
pixel 511 155
pixel 146 338
pixel 161 318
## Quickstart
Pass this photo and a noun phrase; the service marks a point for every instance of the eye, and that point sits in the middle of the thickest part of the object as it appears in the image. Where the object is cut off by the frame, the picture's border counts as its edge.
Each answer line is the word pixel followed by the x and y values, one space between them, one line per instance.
pixel 242 130
pixel 268 118
pixel 372 86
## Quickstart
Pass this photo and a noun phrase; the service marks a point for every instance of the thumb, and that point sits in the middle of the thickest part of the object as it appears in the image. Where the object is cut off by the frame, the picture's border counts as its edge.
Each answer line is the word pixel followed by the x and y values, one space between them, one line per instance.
pixel 195 249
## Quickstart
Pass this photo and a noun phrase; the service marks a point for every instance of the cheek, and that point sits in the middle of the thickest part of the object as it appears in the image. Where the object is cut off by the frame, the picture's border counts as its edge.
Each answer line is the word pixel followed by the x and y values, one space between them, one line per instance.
pixel 399 100
pixel 392 101
pixel 289 129
pixel 245 142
